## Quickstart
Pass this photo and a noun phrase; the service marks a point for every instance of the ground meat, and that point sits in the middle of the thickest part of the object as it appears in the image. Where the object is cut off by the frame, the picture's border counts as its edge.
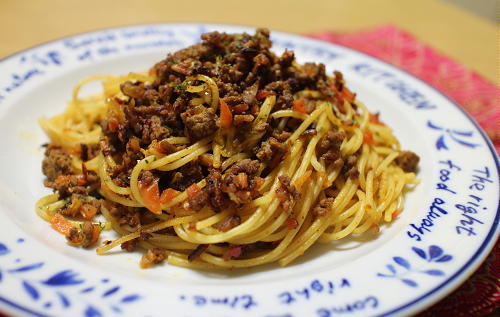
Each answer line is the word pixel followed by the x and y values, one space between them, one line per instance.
pixel 133 90
pixel 197 252
pixel 153 129
pixel 165 147
pixel 63 184
pixel 408 161
pixel 206 159
pixel 287 193
pixel 241 119
pixel 153 257
pixel 198 201
pixel 199 122
pixel 130 245
pixel 329 146
pixel 281 136
pixel 309 133
pixel 185 176
pixel 56 162
pixel 272 152
pixel 349 167
pixel 231 222
pixel 323 207
pixel 240 181
pixel 84 237
pixel 216 197
pixel 125 215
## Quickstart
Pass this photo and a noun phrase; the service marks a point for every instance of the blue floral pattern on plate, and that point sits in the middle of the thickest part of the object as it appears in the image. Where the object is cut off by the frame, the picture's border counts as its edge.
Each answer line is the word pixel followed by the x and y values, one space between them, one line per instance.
pixel 404 269
pixel 62 288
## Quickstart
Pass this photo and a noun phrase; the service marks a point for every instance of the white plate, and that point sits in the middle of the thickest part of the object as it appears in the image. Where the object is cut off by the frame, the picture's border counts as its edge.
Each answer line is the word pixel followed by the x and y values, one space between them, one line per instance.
pixel 449 224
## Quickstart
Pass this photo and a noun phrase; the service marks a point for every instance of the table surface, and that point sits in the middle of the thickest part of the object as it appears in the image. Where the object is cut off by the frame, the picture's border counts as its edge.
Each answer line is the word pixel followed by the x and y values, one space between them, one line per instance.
pixel 469 39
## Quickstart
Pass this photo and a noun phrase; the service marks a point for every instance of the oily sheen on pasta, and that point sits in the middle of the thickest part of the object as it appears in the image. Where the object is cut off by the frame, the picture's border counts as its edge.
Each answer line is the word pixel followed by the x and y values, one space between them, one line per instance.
pixel 224 155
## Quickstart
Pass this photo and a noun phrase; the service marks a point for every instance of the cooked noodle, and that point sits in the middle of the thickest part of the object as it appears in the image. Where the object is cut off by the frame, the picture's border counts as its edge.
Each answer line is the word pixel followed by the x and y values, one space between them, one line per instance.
pixel 337 174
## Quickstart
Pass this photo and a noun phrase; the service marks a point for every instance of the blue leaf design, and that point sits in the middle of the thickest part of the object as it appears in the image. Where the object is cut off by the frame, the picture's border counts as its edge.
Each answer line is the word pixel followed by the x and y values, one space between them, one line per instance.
pixel 130 298
pixel 409 282
pixel 440 143
pixel 26 268
pixel 435 251
pixel 384 275
pixel 92 312
pixel 66 277
pixel 3 249
pixel 1 275
pixel 401 261
pixel 420 252
pixel 463 133
pixel 31 290
pixel 472 145
pixel 434 272
pixel 111 291
pixel 444 258
pixel 64 300
pixel 433 126
pixel 87 290
pixel 391 268
pixel 116 309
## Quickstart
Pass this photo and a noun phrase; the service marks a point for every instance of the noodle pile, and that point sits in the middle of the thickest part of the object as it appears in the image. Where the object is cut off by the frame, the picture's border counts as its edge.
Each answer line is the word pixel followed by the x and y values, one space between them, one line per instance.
pixel 336 172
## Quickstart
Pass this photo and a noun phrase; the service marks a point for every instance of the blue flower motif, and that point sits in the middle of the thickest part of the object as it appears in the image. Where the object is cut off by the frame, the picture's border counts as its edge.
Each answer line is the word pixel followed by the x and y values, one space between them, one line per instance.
pixel 130 298
pixel 456 135
pixel 37 290
pixel 66 277
pixel 434 254
pixel 3 249
pixel 26 268
pixel 92 312
pixel 31 290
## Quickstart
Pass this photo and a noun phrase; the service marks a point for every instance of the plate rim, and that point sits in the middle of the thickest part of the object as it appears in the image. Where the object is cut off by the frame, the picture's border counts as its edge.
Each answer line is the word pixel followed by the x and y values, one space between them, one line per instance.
pixel 442 289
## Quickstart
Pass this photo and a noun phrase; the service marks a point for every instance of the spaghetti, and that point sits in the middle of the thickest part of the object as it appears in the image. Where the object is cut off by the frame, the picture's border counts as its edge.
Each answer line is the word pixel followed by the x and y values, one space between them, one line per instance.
pixel 224 155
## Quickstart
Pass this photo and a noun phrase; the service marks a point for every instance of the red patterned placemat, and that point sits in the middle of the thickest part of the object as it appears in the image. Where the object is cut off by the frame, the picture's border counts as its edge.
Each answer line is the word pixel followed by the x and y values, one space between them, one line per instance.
pixel 480 294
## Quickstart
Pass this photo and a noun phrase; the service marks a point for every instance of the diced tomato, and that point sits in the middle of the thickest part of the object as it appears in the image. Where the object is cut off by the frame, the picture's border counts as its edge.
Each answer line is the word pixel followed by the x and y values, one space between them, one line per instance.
pixel 80 180
pixel 167 195
pixel 226 117
pixel 157 146
pixel 263 94
pixel 193 190
pixel 62 178
pixel 192 226
pixel 347 94
pixel 374 119
pixel 96 232
pixel 302 179
pixel 298 105
pixel 395 214
pixel 292 223
pixel 151 195
pixel 258 181
pixel 88 211
pixel 61 224
pixel 368 137
pixel 113 124
pixel 234 252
